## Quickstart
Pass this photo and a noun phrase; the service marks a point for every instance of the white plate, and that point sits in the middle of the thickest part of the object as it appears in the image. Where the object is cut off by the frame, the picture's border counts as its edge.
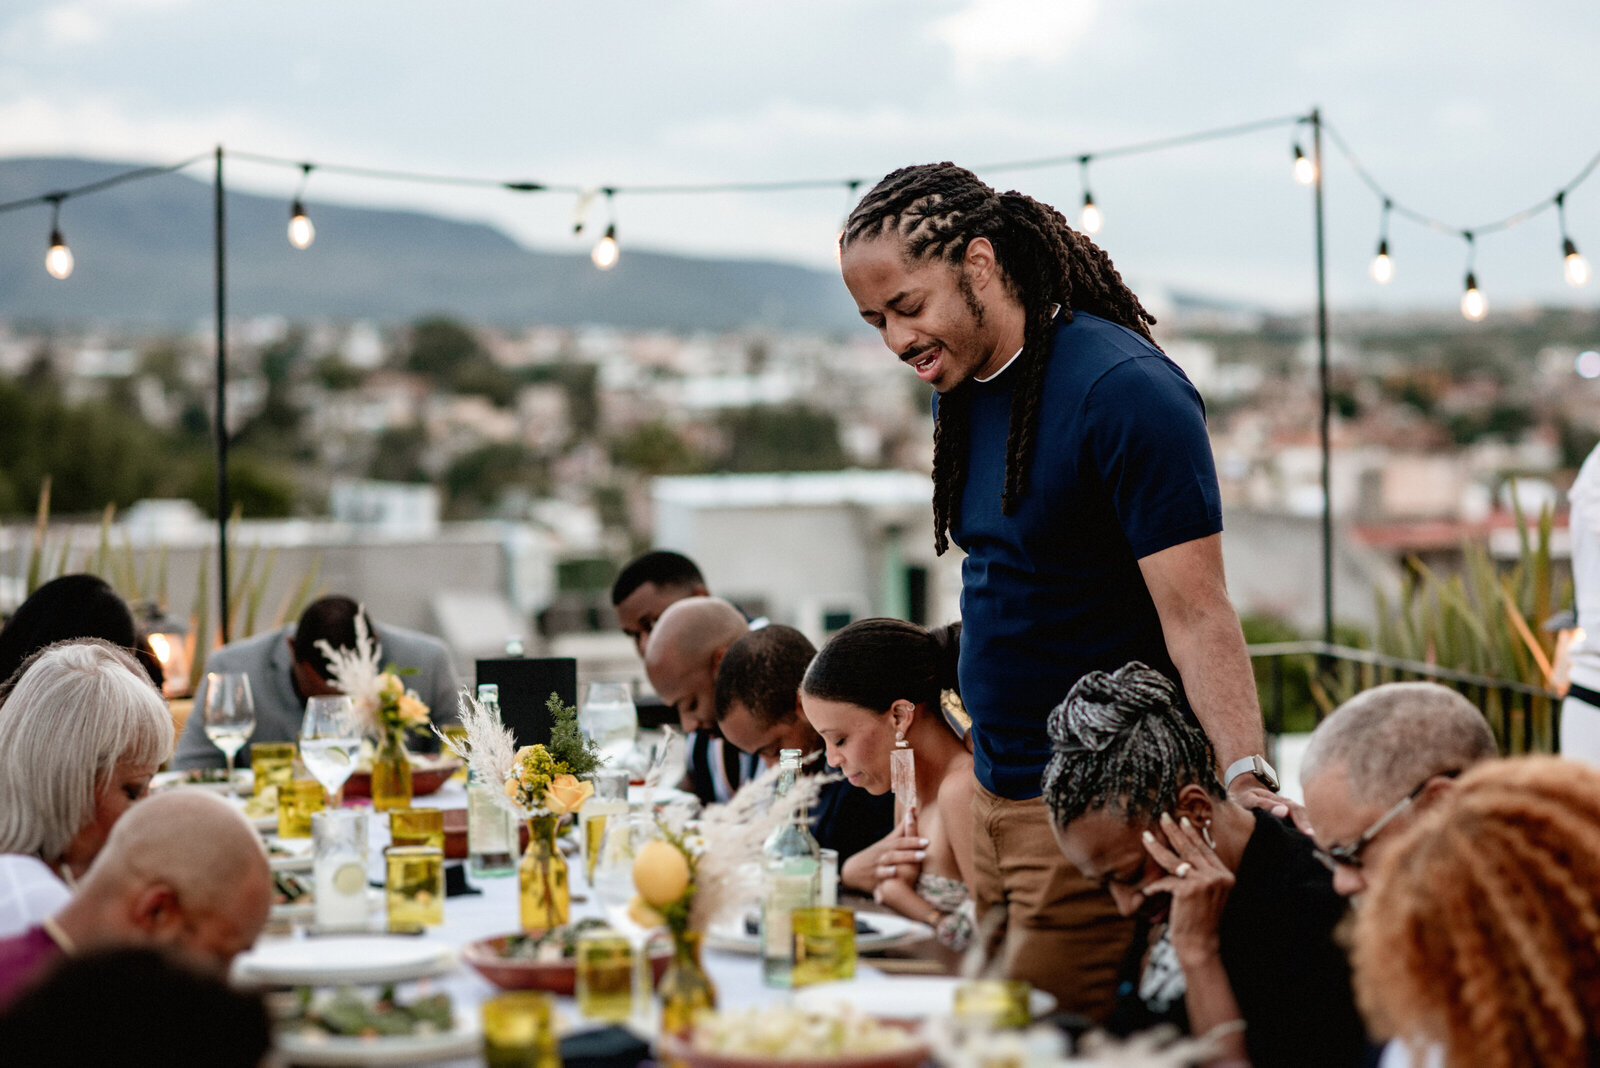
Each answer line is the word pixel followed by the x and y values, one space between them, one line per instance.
pixel 342 959
pixel 731 936
pixel 306 907
pixel 296 855
pixel 243 779
pixel 464 1040
pixel 903 997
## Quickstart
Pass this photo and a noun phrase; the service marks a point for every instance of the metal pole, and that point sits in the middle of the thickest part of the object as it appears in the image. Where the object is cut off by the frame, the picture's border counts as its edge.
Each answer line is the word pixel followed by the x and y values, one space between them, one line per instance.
pixel 1322 375
pixel 224 506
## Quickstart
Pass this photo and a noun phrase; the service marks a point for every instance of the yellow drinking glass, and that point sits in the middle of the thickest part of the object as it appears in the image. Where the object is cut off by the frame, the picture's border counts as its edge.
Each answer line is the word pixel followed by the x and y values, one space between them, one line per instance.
pixel 272 763
pixel 604 961
pixel 297 800
pixel 518 1031
pixel 417 826
pixel 999 1003
pixel 824 945
pixel 414 887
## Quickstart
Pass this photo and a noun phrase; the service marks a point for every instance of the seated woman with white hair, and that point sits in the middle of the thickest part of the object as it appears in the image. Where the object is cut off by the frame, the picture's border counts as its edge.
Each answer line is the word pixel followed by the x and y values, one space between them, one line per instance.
pixel 1236 915
pixel 82 731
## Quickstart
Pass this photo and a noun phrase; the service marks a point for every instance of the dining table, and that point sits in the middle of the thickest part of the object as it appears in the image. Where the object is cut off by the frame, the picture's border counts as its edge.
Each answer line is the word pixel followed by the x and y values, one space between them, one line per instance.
pixel 493 910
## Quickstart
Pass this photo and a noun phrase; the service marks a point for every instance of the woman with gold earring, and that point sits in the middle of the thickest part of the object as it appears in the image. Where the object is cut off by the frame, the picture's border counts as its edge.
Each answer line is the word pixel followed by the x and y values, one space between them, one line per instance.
pixel 874 695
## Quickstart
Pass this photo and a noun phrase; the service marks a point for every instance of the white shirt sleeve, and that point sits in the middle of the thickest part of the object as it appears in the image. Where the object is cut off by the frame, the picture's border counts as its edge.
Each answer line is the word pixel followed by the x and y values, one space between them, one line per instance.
pixel 29 893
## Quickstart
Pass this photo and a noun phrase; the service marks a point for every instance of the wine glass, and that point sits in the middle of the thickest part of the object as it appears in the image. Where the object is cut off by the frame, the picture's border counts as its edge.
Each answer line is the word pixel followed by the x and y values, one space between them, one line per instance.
pixel 330 737
pixel 230 713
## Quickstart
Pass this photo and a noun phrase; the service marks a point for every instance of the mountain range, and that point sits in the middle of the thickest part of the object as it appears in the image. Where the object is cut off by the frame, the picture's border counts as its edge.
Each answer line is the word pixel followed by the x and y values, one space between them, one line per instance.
pixel 145 257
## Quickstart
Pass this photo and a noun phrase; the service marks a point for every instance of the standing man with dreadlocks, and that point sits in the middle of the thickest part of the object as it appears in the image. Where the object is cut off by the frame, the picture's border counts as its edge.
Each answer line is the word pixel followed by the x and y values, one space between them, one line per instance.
pixel 1071 463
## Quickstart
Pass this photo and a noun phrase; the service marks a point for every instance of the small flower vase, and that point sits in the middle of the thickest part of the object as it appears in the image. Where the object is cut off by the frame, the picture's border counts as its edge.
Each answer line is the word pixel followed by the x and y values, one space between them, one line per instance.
pixel 686 990
pixel 542 878
pixel 391 774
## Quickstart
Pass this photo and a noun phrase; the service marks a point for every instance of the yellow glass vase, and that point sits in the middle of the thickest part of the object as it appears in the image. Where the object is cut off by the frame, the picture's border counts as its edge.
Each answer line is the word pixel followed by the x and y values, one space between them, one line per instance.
pixel 391 774
pixel 542 887
pixel 686 990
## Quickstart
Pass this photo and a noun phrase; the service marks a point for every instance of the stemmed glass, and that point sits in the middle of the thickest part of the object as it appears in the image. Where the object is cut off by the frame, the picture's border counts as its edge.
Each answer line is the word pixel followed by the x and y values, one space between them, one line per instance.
pixel 330 737
pixel 230 714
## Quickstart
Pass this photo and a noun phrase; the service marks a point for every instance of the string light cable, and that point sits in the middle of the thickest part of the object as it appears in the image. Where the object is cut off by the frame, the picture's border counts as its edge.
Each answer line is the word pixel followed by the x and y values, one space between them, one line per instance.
pixel 1577 267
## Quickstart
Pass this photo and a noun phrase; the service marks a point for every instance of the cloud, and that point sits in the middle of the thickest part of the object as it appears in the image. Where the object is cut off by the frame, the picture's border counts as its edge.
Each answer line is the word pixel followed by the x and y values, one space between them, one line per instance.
pixel 1004 31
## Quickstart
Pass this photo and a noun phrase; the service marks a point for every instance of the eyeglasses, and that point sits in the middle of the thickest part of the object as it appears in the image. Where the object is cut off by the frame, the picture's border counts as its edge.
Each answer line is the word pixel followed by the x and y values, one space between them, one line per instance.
pixel 1350 855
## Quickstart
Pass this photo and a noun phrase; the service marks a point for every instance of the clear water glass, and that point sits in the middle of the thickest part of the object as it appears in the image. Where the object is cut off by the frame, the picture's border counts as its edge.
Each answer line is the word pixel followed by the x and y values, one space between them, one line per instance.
pixel 330 737
pixel 609 717
pixel 229 713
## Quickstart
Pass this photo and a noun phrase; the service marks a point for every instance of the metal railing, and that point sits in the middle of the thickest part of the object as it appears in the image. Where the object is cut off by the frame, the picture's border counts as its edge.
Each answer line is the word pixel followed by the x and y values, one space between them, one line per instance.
pixel 1524 718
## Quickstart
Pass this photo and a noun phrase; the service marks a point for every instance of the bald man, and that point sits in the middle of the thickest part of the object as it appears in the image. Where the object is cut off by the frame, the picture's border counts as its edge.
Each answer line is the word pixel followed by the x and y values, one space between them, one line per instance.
pixel 183 872
pixel 684 651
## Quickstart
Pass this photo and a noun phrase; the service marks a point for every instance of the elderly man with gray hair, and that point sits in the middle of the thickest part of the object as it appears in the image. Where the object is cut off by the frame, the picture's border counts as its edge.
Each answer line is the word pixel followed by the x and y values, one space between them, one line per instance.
pixel 1376 761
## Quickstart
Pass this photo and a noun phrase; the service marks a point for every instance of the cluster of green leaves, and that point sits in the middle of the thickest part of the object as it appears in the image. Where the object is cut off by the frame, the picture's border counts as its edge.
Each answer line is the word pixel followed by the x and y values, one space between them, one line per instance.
pixel 568 745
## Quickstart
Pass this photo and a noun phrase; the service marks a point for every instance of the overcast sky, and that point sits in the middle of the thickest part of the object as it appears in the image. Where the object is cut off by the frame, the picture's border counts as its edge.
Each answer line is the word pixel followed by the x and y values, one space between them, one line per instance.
pixel 1468 110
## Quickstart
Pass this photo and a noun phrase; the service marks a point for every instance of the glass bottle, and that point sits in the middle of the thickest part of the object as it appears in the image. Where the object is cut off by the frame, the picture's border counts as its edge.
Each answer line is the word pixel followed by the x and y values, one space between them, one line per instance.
pixel 543 894
pixel 491 829
pixel 791 878
pixel 391 773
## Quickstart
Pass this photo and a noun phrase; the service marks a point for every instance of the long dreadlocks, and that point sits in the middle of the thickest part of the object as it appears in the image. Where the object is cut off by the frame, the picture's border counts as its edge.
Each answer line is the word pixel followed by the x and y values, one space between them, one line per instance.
pixel 936 210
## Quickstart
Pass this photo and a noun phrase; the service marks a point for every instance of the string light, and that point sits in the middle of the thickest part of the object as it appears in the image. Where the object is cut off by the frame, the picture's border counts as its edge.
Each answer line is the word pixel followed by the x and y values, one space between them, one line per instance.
pixel 606 253
pixel 851 188
pixel 1305 172
pixel 301 232
pixel 1091 220
pixel 58 261
pixel 1382 269
pixel 1577 268
pixel 1474 305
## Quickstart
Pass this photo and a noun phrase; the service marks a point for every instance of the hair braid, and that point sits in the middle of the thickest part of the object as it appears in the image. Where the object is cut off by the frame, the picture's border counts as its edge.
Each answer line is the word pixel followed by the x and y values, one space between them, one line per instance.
pixel 936 210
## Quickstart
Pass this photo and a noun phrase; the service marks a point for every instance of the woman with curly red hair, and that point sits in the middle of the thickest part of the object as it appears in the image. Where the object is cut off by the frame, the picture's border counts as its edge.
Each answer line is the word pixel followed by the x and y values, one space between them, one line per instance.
pixel 1479 941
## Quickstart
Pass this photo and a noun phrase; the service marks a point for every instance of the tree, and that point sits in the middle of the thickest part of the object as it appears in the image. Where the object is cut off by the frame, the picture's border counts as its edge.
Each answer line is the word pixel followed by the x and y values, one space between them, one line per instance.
pixel 793 437
pixel 654 448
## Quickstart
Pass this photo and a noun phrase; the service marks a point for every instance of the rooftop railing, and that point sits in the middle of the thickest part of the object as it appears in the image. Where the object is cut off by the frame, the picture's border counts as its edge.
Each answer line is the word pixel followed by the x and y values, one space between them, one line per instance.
pixel 1297 678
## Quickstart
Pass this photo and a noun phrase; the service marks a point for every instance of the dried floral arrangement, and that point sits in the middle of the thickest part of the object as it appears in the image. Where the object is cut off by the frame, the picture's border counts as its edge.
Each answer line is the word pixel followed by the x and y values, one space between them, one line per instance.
pixel 721 853
pixel 382 701
pixel 539 780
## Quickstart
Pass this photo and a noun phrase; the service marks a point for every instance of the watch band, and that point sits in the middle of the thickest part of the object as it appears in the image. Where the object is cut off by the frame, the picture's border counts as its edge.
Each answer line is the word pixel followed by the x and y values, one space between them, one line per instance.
pixel 1254 764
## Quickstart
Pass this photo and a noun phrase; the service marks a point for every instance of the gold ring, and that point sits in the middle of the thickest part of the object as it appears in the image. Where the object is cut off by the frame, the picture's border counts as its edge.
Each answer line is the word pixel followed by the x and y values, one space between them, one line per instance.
pixel 1183 870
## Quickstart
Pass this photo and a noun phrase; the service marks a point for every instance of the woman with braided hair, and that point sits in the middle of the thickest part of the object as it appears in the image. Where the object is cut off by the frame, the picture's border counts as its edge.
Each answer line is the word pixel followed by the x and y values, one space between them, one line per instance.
pixel 1236 915
pixel 1478 942
pixel 1071 463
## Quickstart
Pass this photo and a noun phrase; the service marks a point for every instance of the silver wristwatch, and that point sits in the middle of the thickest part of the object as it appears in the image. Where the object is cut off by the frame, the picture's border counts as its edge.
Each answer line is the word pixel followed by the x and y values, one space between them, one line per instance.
pixel 1254 764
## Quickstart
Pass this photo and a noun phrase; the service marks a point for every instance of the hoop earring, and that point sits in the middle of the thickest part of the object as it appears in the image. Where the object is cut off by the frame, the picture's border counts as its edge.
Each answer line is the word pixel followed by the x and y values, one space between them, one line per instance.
pixel 1205 833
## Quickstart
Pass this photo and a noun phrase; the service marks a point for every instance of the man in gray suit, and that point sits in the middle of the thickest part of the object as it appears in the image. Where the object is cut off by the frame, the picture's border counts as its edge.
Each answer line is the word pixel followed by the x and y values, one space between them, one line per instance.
pixel 286 667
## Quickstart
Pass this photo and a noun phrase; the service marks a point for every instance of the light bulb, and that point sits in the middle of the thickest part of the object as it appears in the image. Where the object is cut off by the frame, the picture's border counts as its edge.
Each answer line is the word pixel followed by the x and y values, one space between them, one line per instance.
pixel 1305 172
pixel 605 252
pixel 1474 305
pixel 301 232
pixel 1091 220
pixel 58 261
pixel 1577 267
pixel 1382 269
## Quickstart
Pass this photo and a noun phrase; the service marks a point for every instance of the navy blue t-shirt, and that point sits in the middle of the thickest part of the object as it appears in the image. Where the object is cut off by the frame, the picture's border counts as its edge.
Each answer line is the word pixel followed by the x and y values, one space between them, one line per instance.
pixel 1121 469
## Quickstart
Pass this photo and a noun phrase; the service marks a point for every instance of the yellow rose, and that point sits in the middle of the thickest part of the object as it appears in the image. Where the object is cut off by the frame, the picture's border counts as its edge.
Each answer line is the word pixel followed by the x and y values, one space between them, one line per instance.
pixel 567 794
pixel 513 784
pixel 412 710
pixel 390 683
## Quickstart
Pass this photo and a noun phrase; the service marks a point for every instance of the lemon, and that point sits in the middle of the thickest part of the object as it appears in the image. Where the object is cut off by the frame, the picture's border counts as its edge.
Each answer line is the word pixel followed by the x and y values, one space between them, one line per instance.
pixel 660 873
pixel 643 914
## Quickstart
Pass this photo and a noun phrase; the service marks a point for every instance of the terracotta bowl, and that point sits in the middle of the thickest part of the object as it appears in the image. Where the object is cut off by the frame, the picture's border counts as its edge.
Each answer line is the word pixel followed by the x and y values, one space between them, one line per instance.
pixel 428 773
pixel 557 977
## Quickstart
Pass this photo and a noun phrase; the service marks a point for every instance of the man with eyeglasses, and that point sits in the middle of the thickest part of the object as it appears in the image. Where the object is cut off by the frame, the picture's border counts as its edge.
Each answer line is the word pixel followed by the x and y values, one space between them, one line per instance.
pixel 1379 759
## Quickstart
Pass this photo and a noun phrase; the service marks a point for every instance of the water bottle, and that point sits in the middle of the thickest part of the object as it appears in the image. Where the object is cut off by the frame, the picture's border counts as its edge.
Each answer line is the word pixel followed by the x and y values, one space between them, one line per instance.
pixel 791 878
